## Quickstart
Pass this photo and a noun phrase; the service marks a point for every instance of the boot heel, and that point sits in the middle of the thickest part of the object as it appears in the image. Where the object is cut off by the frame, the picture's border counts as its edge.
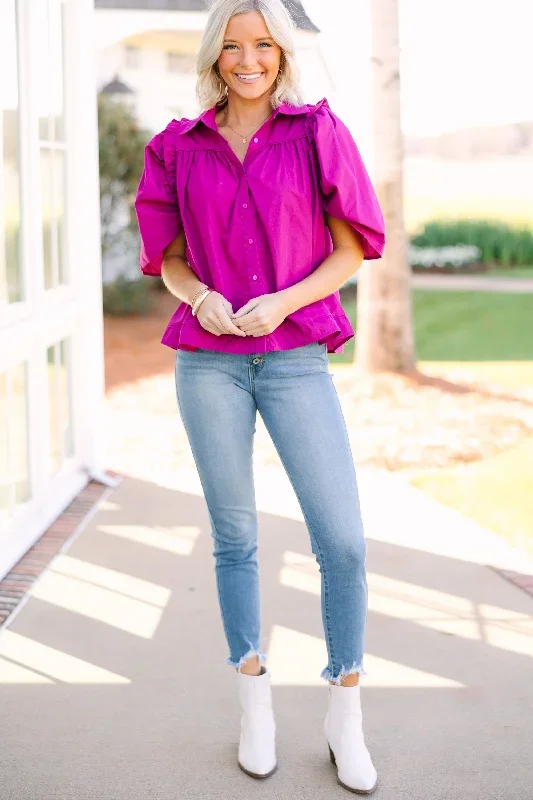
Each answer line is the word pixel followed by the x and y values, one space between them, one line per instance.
pixel 331 756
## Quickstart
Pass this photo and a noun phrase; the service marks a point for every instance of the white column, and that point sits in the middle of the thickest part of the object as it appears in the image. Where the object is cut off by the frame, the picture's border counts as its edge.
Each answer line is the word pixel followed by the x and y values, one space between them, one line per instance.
pixel 83 224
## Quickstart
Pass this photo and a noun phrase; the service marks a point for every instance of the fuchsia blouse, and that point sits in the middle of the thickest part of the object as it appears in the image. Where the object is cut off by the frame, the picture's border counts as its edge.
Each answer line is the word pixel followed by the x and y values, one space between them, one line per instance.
pixel 257 227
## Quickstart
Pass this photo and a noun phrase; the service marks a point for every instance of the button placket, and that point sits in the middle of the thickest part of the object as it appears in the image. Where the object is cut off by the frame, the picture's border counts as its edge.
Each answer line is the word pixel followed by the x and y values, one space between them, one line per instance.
pixel 247 218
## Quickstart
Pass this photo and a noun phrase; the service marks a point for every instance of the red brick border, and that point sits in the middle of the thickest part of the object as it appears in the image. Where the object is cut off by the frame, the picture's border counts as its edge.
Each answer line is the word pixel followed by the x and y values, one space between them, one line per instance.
pixel 524 582
pixel 17 582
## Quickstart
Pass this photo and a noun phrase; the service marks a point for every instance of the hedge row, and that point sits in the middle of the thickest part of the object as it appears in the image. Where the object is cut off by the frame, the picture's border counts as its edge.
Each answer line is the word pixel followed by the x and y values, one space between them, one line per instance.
pixel 500 244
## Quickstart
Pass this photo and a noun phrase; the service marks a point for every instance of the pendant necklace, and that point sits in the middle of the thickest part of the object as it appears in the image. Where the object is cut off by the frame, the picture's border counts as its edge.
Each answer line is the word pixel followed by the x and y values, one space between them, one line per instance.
pixel 245 138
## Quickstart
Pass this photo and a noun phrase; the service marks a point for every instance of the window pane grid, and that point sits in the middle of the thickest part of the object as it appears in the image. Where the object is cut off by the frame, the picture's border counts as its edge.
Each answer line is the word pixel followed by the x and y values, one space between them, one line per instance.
pixel 14 460
pixel 59 396
pixel 11 280
pixel 52 148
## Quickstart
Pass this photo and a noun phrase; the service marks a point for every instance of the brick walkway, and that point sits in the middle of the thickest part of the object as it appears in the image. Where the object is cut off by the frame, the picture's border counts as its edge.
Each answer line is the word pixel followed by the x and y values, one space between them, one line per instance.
pixel 19 581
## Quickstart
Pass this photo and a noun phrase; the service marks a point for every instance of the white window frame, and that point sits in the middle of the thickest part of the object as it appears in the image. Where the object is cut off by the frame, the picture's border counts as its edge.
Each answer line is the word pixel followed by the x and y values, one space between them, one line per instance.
pixel 72 311
pixel 132 57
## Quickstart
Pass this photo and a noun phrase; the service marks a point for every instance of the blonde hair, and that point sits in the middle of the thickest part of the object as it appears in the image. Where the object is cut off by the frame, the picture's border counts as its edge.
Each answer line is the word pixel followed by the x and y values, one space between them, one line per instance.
pixel 210 87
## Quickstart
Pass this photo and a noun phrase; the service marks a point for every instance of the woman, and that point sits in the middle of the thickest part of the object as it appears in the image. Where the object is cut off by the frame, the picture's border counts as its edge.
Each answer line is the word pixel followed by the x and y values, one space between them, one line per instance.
pixel 255 213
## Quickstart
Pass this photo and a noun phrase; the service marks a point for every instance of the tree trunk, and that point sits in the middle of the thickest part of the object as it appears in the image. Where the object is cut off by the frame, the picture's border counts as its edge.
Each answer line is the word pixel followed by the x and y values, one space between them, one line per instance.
pixel 384 318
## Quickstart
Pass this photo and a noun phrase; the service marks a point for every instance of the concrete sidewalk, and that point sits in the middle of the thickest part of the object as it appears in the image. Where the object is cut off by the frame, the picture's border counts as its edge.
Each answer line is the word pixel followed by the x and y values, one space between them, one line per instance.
pixel 113 685
pixel 472 283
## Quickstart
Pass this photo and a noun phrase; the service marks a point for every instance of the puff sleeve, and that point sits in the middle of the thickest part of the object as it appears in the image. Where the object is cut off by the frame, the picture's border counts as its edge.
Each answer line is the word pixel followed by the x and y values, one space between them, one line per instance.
pixel 156 206
pixel 346 187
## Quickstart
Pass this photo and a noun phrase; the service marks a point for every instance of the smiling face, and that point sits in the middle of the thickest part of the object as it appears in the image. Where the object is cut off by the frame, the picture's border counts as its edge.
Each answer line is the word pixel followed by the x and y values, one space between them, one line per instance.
pixel 250 58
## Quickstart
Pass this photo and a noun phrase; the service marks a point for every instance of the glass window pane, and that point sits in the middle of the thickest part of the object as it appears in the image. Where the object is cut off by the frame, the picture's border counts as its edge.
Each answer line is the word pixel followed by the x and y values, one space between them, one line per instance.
pixel 18 421
pixel 59 204
pixel 59 394
pixel 50 56
pixel 66 398
pixel 56 51
pixel 5 481
pixel 55 444
pixel 47 212
pixel 132 57
pixel 11 289
pixel 53 213
pixel 14 458
pixel 43 56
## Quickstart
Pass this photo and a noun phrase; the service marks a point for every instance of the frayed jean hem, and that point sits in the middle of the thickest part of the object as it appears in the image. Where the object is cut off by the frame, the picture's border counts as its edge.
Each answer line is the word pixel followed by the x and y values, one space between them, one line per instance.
pixel 327 673
pixel 252 653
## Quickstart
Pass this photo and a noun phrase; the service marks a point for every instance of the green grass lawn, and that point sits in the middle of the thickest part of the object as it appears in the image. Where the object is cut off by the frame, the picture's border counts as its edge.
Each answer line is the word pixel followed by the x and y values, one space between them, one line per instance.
pixel 509 272
pixel 497 491
pixel 463 326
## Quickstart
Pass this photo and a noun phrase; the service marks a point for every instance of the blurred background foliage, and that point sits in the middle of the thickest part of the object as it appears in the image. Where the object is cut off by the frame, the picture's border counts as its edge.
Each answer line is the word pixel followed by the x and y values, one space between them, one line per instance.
pixel 121 151
pixel 501 243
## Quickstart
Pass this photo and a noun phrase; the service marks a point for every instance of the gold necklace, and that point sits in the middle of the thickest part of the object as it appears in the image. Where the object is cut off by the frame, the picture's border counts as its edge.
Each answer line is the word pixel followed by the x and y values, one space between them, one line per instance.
pixel 244 138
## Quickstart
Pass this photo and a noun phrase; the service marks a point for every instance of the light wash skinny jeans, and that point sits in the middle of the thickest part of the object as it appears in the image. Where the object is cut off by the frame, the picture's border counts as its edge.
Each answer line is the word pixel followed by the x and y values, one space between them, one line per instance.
pixel 218 397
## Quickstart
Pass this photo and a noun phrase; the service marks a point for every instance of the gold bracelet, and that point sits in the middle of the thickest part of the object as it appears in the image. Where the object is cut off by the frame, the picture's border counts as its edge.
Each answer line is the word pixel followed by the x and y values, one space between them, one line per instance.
pixel 198 293
pixel 200 301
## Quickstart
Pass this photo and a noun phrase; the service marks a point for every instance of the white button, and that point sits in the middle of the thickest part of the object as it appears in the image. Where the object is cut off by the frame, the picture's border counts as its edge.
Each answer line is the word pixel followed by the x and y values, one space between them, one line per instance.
pixel 254 277
pixel 250 241
pixel 256 140
pixel 245 205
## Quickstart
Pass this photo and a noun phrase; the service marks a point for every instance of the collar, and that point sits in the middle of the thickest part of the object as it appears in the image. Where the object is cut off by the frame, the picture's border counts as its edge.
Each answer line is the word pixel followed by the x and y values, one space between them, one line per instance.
pixel 208 116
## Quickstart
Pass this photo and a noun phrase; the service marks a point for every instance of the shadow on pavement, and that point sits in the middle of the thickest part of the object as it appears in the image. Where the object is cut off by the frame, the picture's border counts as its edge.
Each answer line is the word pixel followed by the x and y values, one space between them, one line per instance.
pixel 114 684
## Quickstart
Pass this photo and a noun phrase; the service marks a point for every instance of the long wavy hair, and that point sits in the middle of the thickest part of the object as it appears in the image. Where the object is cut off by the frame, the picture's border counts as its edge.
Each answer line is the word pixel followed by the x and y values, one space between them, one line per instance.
pixel 210 87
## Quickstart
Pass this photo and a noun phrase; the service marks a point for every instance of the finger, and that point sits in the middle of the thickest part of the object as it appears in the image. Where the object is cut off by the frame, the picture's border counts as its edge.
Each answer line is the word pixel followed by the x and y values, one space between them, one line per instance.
pixel 246 309
pixel 214 331
pixel 212 328
pixel 228 325
pixel 246 319
pixel 227 305
pixel 248 324
pixel 255 330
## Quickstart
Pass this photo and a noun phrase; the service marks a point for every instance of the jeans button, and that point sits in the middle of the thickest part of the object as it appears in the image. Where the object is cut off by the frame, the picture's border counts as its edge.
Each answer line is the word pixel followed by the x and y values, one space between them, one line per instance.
pixel 256 361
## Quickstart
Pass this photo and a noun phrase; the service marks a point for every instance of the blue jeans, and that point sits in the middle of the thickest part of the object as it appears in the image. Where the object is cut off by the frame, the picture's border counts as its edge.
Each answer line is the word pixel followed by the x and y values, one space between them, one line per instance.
pixel 219 395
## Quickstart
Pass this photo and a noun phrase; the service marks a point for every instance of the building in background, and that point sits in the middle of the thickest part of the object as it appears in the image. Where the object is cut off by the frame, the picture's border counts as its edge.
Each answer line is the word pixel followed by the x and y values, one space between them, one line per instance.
pixel 150 47
pixel 51 353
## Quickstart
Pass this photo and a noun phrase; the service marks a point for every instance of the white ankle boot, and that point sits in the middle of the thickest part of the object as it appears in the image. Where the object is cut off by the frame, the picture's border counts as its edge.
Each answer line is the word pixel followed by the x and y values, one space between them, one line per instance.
pixel 257 746
pixel 344 733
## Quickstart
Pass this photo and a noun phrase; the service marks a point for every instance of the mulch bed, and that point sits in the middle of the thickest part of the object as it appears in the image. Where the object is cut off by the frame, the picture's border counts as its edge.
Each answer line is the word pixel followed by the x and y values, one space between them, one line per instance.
pixel 416 421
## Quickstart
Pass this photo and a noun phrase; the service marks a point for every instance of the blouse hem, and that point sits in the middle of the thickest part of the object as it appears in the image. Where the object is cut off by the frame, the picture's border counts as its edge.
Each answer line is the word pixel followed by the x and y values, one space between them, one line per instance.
pixel 326 329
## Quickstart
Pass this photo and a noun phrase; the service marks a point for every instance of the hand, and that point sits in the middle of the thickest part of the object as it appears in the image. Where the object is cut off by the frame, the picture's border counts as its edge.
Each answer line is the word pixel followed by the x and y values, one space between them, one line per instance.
pixel 261 315
pixel 214 315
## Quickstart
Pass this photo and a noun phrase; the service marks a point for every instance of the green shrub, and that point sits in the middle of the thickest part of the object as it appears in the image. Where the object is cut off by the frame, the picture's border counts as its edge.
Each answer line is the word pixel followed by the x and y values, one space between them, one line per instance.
pixel 124 297
pixel 500 244
pixel 121 156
